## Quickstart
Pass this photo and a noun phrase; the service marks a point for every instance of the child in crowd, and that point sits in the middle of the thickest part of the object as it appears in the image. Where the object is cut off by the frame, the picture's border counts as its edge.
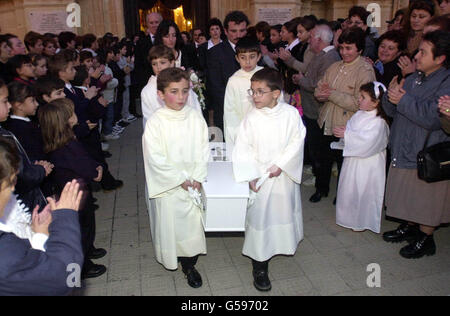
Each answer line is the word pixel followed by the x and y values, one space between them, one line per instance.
pixel 237 100
pixel 24 106
pixel 23 269
pixel 40 65
pixel 362 181
pixel 48 89
pixel 31 175
pixel 126 63
pixel 161 57
pixel 22 69
pixel 269 154
pixel 109 94
pixel 176 152
pixel 71 161
pixel 119 74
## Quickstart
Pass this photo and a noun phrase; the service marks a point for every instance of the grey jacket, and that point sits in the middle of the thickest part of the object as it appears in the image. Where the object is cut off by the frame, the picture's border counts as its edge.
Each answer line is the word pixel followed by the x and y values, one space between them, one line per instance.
pixel 315 71
pixel 415 116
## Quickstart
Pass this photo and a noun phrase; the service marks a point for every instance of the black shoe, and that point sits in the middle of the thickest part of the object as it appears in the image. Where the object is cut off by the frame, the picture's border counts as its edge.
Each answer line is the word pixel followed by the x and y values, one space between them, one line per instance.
pixel 107 154
pixel 261 281
pixel 97 253
pixel 136 115
pixel 403 233
pixel 94 272
pixel 117 184
pixel 95 207
pixel 423 246
pixel 317 197
pixel 193 277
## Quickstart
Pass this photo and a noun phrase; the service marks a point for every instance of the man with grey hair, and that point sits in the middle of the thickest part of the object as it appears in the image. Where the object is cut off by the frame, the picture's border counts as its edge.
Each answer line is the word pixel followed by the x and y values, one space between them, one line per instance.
pixel 321 42
pixel 143 69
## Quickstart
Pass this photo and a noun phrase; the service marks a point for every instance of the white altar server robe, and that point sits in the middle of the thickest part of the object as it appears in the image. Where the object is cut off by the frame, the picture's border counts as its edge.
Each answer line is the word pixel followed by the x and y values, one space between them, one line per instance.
pixel 175 146
pixel 150 102
pixel 237 103
pixel 363 176
pixel 267 137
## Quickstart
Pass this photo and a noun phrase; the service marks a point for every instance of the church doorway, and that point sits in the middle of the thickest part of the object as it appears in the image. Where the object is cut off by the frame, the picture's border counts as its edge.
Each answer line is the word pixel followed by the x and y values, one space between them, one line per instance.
pixel 185 13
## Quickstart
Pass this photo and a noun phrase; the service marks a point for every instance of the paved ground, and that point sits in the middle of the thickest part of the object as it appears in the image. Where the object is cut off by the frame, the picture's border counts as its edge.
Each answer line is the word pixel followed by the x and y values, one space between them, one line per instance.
pixel 329 261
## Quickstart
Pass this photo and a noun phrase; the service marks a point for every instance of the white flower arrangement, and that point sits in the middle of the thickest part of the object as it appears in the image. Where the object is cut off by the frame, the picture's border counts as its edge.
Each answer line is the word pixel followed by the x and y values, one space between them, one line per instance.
pixel 199 88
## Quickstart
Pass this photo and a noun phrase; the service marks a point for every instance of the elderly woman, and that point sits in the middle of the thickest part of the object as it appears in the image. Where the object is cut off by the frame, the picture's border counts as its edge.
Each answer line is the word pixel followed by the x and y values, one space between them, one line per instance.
pixel 339 90
pixel 413 105
pixel 392 46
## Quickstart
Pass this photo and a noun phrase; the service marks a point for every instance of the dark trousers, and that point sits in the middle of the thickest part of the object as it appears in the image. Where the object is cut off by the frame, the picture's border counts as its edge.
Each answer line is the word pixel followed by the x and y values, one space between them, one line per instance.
pixel 260 266
pixel 86 216
pixel 218 117
pixel 188 262
pixel 312 148
pixel 325 157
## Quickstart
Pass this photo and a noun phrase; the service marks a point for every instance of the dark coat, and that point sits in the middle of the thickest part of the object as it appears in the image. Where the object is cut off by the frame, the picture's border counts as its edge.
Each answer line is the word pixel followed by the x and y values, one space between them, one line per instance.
pixel 189 58
pixel 30 137
pixel 72 162
pixel 26 271
pixel 143 69
pixel 391 70
pixel 221 65
pixel 30 177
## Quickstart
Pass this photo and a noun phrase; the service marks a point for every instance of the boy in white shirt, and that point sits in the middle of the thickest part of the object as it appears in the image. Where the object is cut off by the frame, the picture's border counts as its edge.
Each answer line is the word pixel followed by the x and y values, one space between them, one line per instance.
pixel 269 155
pixel 237 101
pixel 176 152
pixel 160 57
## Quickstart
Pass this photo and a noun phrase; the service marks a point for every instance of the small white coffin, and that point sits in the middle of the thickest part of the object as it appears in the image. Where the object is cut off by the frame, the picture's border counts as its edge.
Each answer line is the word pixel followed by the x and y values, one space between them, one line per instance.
pixel 226 200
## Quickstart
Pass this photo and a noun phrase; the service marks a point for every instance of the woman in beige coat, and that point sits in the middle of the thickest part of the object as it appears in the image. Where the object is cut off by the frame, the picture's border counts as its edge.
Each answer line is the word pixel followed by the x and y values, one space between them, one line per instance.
pixel 339 91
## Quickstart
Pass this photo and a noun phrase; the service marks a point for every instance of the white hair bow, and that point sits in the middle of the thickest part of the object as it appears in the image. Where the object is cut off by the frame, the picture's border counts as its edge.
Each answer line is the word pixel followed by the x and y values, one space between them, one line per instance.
pixel 377 88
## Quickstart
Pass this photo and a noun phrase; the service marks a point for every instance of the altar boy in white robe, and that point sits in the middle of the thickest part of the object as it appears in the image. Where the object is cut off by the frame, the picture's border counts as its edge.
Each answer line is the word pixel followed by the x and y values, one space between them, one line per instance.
pixel 269 146
pixel 362 182
pixel 160 57
pixel 237 101
pixel 176 152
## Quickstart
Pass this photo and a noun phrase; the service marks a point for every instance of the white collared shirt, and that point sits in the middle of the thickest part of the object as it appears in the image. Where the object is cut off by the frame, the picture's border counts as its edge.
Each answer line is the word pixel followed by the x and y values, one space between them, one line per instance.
pixel 328 48
pixel 211 44
pixel 233 46
pixel 26 119
pixel 293 44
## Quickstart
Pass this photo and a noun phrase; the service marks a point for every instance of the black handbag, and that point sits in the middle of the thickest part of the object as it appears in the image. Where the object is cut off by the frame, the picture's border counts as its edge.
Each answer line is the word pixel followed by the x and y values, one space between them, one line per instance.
pixel 433 163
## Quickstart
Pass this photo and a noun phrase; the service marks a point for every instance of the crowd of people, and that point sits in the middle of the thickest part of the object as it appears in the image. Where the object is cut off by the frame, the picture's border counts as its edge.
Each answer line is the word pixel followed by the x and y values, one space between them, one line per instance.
pixel 309 92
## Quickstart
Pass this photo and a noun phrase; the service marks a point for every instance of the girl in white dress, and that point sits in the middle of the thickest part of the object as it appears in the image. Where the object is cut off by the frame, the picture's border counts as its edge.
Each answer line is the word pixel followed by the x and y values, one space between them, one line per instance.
pixel 363 177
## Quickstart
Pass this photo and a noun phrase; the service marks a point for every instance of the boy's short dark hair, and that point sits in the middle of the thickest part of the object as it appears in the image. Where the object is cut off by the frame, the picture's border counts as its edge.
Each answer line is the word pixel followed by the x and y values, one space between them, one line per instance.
pixel 441 45
pixel 19 92
pixel 70 54
pixel 81 76
pixel 47 85
pixel 17 62
pixel 64 38
pixel 237 17
pixel 360 12
pixel 31 39
pixel 247 45
pixel 88 40
pixel 57 63
pixel 170 75
pixel 271 77
pixel 85 55
pixel 161 51
pixel 356 36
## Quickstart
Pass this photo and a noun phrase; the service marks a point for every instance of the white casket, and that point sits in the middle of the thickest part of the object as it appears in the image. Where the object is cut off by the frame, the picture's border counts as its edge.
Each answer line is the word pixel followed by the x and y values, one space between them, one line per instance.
pixel 226 200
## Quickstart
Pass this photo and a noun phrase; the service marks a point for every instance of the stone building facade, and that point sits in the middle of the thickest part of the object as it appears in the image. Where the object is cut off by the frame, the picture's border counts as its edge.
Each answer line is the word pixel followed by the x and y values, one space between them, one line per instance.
pixel 101 16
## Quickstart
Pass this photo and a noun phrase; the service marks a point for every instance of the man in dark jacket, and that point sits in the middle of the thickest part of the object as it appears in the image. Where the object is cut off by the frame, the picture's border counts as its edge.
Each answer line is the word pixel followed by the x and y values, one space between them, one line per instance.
pixel 222 63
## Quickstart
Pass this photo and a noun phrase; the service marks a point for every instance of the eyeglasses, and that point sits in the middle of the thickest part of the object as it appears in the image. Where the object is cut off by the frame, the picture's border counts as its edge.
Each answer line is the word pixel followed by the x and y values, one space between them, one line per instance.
pixel 257 93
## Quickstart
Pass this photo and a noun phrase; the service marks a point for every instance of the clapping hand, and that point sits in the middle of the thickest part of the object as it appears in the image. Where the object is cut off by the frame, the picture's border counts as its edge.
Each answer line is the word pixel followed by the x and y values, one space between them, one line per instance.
pixel 46 165
pixel 91 93
pixel 284 54
pixel 324 92
pixel 297 77
pixel 70 198
pixel 41 222
pixel 91 125
pixel 444 105
pixel 396 91
pixel 100 174
pixel 407 65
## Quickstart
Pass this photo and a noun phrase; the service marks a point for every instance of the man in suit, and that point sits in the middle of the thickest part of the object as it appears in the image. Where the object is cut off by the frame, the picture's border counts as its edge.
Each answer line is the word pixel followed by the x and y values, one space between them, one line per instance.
pixel 143 68
pixel 222 63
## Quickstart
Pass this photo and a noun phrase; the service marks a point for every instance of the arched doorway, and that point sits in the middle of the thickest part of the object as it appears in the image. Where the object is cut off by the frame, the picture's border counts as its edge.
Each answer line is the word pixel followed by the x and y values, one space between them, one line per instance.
pixel 186 13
